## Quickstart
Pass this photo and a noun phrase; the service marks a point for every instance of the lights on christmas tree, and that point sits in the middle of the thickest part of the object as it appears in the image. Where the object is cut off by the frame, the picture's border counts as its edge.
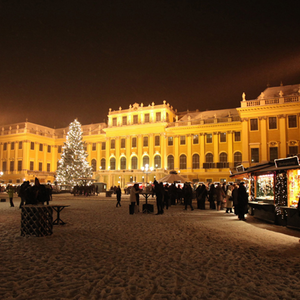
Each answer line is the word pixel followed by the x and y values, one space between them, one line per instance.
pixel 73 163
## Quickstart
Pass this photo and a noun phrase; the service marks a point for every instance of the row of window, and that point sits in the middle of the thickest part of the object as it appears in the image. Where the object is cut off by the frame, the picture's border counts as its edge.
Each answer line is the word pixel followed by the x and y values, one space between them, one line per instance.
pixel 182 140
pixel 19 166
pixel 170 161
pixel 292 122
pixel 135 119
pixel 273 153
pixel 14 145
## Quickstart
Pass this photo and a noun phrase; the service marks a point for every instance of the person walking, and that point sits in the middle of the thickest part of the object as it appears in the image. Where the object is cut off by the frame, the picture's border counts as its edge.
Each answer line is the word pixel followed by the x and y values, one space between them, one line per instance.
pixel 235 198
pixel 212 196
pixel 220 196
pixel 242 205
pixel 118 192
pixel 229 199
pixel 10 193
pixel 188 196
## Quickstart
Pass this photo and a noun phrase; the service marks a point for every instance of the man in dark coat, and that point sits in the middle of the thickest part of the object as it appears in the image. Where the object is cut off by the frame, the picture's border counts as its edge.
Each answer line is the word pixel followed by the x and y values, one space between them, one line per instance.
pixel 118 192
pixel 159 192
pixel 242 205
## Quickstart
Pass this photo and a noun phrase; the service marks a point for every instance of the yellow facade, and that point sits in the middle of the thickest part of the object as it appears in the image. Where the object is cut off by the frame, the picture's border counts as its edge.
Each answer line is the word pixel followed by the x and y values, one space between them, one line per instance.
pixel 202 146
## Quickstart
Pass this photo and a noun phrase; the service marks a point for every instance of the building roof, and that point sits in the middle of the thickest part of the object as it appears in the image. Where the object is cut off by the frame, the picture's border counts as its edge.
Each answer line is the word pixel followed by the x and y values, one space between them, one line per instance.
pixel 280 91
pixel 210 114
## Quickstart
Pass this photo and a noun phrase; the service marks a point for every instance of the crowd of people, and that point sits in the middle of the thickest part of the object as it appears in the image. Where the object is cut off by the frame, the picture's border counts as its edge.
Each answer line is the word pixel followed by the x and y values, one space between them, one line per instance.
pixel 233 197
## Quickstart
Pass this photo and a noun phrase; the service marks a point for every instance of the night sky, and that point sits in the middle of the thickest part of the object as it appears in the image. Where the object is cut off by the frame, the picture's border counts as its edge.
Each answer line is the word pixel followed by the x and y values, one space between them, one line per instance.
pixel 67 59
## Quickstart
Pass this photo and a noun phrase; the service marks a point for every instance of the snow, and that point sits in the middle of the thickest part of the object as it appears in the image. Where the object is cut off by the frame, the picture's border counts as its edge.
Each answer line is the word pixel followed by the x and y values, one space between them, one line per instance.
pixel 105 253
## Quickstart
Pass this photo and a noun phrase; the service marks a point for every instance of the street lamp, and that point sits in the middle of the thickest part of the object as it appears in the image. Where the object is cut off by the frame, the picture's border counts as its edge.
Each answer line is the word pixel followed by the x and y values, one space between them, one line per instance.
pixel 147 171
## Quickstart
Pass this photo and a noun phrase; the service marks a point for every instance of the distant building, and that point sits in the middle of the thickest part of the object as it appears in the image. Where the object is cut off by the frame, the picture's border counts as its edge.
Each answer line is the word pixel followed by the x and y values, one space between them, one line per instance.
pixel 202 146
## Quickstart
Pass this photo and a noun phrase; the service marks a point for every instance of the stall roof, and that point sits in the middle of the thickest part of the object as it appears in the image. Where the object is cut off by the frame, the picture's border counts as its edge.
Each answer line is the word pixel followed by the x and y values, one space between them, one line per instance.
pixel 255 168
pixel 272 169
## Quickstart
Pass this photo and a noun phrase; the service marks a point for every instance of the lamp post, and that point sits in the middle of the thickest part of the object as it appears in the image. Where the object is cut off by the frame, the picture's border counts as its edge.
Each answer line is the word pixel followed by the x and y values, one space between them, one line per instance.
pixel 147 171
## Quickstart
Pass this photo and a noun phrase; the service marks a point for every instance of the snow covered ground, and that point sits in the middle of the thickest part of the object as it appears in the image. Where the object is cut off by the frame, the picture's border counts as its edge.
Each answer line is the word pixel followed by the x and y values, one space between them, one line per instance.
pixel 105 253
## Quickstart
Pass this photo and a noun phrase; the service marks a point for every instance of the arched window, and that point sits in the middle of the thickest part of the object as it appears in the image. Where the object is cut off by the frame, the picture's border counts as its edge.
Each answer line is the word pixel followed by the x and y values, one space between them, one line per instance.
pixel 134 163
pixel 196 161
pixel 145 160
pixel 237 158
pixel 209 158
pixel 103 164
pixel 223 157
pixel 157 162
pixel 112 163
pixel 182 162
pixel 170 162
pixel 94 165
pixel 123 163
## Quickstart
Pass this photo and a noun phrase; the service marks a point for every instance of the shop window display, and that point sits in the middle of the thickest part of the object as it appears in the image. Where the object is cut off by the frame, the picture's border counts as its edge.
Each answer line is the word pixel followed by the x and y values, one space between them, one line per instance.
pixel 293 187
pixel 265 187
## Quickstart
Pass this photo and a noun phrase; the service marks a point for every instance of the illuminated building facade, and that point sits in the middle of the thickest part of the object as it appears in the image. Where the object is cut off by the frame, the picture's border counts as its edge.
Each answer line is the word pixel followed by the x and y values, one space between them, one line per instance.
pixel 203 146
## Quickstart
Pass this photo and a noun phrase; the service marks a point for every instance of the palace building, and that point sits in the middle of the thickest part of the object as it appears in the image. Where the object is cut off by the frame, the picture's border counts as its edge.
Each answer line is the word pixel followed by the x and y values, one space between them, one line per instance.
pixel 145 142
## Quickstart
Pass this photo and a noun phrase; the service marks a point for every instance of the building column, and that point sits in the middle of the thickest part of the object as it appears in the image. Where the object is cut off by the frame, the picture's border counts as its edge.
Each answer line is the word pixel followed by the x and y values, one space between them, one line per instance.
pixel 140 150
pixel 282 131
pixel 98 147
pixel 163 142
pixel 128 147
pixel 245 142
pixel 263 141
pixel 107 151
pixel 117 148
pixel 151 150
pixel 176 151
pixel 189 153
pixel 202 149
pixel 230 147
pixel 216 146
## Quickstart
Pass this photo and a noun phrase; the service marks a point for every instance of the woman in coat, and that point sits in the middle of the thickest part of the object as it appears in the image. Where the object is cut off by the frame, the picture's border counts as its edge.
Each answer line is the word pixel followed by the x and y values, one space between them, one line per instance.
pixel 229 199
pixel 220 196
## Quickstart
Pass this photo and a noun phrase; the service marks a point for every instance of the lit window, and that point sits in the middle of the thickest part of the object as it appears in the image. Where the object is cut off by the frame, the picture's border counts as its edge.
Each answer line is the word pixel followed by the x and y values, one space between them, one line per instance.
pixel 273 153
pixel 209 138
pixel 145 143
pixel 158 116
pixel 157 140
pixel 223 137
pixel 237 136
pixel 195 139
pixel 133 142
pixel 122 143
pixel 170 162
pixel 196 161
pixel 170 141
pixel 182 140
pixel 272 123
pixel 123 163
pixel 147 118
pixel 182 161
pixel 254 155
pixel 292 121
pixel 253 124
pixel 112 144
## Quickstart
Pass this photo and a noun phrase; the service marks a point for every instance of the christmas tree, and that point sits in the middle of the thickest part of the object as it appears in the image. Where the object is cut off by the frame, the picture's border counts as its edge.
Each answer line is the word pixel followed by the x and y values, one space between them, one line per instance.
pixel 73 163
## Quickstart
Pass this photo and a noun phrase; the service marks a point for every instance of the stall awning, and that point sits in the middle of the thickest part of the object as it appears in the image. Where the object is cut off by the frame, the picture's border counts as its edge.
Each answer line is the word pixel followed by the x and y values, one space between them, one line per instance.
pixel 255 168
